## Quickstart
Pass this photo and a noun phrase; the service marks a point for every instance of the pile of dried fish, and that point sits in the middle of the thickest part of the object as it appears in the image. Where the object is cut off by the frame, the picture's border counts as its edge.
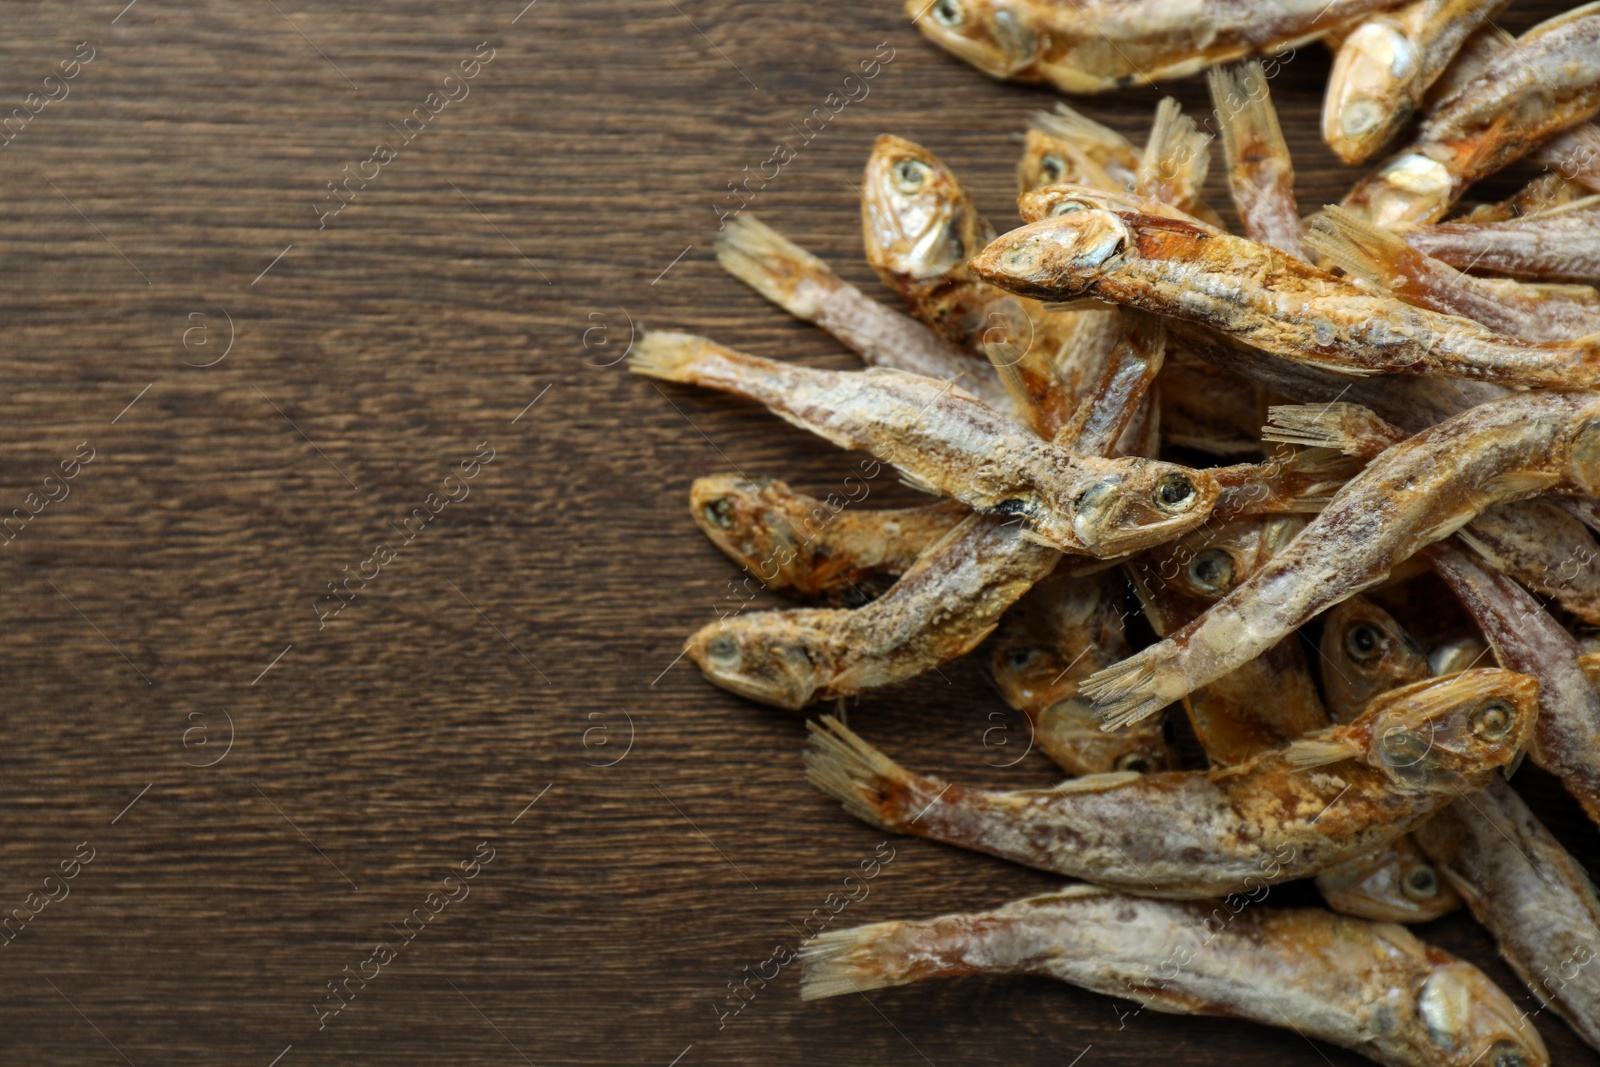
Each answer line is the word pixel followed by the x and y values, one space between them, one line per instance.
pixel 1085 396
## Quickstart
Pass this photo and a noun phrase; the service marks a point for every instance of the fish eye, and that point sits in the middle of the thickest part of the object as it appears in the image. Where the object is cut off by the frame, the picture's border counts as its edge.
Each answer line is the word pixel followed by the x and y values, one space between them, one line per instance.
pixel 1211 570
pixel 1020 656
pixel 1364 642
pixel 719 512
pixel 1067 207
pixel 1137 762
pixel 1052 167
pixel 948 13
pixel 1506 1054
pixel 909 174
pixel 723 651
pixel 1421 882
pixel 1175 492
pixel 1493 719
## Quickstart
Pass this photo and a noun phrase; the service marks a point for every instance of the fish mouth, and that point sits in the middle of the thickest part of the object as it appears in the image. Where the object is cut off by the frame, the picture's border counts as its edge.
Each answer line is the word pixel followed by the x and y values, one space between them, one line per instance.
pixel 1473 1021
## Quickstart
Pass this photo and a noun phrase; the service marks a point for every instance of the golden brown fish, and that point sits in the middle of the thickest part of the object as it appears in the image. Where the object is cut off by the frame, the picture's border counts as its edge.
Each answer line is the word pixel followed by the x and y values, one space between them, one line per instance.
pixel 1266 299
pixel 1417 492
pixel 1067 146
pixel 951 443
pixel 1091 46
pixel 1386 65
pixel 1370 987
pixel 828 550
pixel 1334 795
pixel 920 227
pixel 1546 82
pixel 1066 628
pixel 1559 244
pixel 1529 893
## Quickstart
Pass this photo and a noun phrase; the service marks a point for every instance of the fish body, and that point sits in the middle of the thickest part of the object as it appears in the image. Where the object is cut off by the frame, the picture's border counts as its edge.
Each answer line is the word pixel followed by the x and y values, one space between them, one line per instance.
pixel 1370 987
pixel 1329 797
pixel 1089 46
pixel 1266 299
pixel 1561 244
pixel 1415 493
pixel 951 443
pixel 1260 170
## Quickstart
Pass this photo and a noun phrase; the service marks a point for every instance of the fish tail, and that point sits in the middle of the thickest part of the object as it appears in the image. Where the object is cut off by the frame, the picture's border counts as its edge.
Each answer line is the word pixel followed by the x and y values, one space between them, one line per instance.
pixel 1359 248
pixel 667 355
pixel 1065 124
pixel 1347 428
pixel 870 785
pixel 852 961
pixel 774 266
pixel 1176 158
pixel 1124 692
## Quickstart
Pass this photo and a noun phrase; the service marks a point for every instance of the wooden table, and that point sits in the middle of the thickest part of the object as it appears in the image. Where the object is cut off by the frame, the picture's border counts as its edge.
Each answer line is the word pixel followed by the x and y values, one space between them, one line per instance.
pixel 260 342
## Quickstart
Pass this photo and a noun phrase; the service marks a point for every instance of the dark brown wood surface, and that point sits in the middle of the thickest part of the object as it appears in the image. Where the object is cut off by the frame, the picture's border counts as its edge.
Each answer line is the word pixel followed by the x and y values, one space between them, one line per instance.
pixel 268 390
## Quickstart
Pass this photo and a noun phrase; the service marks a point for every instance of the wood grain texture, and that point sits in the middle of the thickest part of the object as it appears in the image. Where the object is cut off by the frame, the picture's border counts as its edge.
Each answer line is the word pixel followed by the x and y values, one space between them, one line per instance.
pixel 500 256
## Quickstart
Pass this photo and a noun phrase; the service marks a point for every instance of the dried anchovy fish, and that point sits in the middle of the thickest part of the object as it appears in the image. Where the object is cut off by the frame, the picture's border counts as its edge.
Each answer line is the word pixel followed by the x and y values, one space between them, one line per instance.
pixel 1260 172
pixel 1334 795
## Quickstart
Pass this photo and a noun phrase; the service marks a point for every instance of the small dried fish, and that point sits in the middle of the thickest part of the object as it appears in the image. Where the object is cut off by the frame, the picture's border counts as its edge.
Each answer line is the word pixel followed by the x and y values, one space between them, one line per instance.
pixel 1529 893
pixel 820 549
pixel 1064 198
pixel 1334 795
pixel 1099 45
pixel 949 442
pixel 1534 312
pixel 1385 67
pixel 1176 583
pixel 1370 987
pixel 1546 82
pixel 1260 172
pixel 1267 299
pixel 1365 652
pixel 1067 146
pixel 1543 193
pixel 1065 628
pixel 1415 493
pixel 1526 638
pixel 1545 549
pixel 806 288
pixel 1561 244
pixel 943 607
pixel 920 228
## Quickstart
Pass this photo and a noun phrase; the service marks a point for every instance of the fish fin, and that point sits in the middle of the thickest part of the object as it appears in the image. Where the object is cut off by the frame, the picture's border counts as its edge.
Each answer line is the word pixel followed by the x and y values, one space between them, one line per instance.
pixel 1347 428
pixel 1096 783
pixel 1356 246
pixel 870 785
pixel 1311 752
pixel 1519 483
pixel 921 485
pixel 771 264
pixel 1065 124
pixel 848 961
pixel 1176 147
pixel 1123 692
pixel 1561 209
pixel 665 355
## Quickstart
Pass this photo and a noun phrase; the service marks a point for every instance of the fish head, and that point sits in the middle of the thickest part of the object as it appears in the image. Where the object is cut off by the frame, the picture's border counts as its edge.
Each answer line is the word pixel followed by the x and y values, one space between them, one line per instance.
pixel 1457 654
pixel 765 656
pixel 1135 504
pixel 1048 160
pixel 1366 89
pixel 1071 732
pixel 1057 258
pixel 1211 562
pixel 916 219
pixel 1395 884
pixel 1410 189
pixel 1470 1021
pixel 1073 195
pixel 737 514
pixel 1446 733
pixel 999 37
pixel 1365 652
